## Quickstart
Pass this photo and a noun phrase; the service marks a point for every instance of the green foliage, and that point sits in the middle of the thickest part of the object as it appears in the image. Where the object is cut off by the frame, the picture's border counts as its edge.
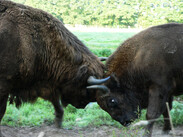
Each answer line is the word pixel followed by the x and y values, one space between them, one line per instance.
pixel 155 12
pixel 115 13
pixel 179 98
pixel 177 113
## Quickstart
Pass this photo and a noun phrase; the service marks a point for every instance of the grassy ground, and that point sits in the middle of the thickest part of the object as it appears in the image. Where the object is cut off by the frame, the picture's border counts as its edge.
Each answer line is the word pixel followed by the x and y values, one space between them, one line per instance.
pixel 102 43
pixel 42 112
pixel 103 40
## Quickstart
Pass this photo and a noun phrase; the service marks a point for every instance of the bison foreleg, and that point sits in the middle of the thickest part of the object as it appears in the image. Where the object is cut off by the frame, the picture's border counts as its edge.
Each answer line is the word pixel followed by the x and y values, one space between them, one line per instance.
pixel 156 106
pixel 3 104
pixel 58 112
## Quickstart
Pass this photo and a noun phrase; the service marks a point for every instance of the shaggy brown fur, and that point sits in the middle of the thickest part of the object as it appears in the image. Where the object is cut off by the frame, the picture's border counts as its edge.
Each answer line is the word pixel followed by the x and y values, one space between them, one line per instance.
pixel 39 57
pixel 146 72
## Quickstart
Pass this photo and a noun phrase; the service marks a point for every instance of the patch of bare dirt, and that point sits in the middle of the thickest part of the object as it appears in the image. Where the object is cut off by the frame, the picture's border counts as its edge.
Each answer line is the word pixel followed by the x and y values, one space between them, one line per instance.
pixel 103 131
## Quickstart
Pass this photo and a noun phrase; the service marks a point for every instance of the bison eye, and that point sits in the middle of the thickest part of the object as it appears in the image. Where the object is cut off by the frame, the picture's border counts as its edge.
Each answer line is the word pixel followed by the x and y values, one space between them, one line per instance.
pixel 113 102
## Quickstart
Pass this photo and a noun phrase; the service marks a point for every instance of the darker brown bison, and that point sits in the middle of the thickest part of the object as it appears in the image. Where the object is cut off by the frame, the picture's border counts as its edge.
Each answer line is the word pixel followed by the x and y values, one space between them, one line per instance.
pixel 146 71
pixel 39 57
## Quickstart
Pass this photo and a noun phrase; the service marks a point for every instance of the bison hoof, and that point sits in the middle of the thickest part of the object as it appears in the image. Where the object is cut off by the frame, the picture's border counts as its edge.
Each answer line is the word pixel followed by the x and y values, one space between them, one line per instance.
pixel 165 132
pixel 58 122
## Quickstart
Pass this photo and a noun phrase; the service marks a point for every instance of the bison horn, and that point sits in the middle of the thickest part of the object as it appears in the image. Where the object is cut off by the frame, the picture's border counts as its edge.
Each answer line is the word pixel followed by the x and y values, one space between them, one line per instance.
pixel 93 81
pixel 101 87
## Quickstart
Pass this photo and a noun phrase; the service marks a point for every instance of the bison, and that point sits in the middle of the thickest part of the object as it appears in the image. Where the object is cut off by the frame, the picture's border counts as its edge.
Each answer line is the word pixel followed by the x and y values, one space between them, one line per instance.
pixel 39 57
pixel 146 71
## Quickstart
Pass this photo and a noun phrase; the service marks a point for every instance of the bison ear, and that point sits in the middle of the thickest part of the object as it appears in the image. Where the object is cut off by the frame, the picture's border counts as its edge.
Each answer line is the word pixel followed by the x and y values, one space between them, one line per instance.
pixel 115 78
pixel 81 73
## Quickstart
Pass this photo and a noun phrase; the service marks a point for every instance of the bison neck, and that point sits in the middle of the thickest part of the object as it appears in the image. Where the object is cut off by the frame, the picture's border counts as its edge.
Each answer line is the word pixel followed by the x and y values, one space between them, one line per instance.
pixel 138 84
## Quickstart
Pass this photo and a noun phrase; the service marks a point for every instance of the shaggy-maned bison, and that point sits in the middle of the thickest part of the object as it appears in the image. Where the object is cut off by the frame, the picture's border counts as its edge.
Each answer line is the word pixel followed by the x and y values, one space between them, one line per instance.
pixel 146 71
pixel 39 57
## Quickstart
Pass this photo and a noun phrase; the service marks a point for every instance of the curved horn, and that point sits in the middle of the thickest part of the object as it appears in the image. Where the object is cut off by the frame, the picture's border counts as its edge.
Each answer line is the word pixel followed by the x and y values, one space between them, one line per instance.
pixel 103 58
pixel 101 87
pixel 93 81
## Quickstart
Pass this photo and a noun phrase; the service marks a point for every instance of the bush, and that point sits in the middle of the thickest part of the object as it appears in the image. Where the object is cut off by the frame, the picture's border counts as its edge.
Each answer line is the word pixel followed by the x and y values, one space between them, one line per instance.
pixel 177 113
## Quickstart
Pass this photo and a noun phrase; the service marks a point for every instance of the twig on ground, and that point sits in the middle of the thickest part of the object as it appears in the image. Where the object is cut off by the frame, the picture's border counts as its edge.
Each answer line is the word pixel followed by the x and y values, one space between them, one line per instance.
pixel 170 118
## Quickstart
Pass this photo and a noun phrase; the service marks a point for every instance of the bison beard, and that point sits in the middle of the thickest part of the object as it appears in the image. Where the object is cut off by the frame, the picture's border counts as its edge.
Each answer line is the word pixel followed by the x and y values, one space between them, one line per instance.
pixel 39 57
pixel 146 72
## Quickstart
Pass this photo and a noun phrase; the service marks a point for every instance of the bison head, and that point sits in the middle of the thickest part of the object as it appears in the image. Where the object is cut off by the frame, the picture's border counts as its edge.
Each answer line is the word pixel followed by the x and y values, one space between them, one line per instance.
pixel 120 102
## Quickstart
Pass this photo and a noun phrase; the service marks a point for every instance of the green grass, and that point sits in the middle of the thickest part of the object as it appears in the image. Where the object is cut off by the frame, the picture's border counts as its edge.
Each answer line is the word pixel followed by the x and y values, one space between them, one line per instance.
pixel 29 114
pixel 103 43
pixel 92 116
pixel 42 112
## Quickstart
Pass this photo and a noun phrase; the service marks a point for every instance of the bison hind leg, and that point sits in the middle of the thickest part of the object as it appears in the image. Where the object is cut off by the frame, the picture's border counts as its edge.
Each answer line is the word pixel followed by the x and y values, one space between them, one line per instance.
pixel 58 122
pixel 167 126
pixel 3 104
